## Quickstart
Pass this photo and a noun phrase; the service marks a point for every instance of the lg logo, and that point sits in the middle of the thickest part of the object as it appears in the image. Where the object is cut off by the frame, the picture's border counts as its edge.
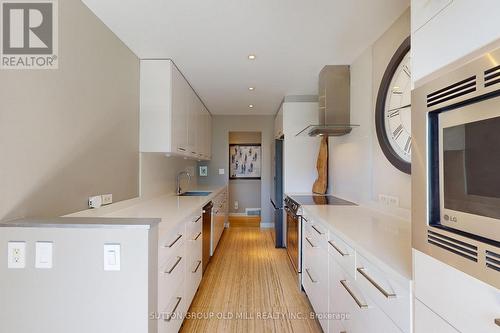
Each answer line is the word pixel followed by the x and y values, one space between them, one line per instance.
pixel 29 38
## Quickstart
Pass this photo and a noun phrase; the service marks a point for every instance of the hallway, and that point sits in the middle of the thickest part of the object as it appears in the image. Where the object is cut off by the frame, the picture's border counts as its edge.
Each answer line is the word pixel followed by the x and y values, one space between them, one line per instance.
pixel 252 285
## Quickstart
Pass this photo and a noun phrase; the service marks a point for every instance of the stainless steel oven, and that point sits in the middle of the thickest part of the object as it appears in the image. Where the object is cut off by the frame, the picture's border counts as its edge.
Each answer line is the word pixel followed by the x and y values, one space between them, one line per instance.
pixel 456 168
pixel 293 233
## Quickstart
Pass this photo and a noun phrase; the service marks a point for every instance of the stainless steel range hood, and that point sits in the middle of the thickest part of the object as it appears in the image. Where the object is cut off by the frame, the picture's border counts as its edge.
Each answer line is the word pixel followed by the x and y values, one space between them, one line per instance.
pixel 334 103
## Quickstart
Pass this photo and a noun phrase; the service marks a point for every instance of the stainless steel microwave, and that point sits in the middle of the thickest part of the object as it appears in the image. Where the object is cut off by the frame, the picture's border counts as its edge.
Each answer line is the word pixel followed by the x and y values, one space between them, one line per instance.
pixel 456 167
pixel 469 168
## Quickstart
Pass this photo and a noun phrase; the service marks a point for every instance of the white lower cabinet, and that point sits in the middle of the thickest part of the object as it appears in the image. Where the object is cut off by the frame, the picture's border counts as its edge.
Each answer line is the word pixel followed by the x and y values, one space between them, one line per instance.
pixel 361 297
pixel 467 304
pixel 429 322
pixel 179 273
pixel 219 218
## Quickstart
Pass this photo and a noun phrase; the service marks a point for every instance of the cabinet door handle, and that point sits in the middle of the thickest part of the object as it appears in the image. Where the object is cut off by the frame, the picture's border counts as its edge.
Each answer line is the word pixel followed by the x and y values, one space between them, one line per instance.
pixel 174 265
pixel 358 302
pixel 318 231
pixel 181 149
pixel 197 266
pixel 175 241
pixel 198 218
pixel 310 277
pixel 342 253
pixel 197 236
pixel 497 321
pixel 384 292
pixel 310 243
pixel 169 317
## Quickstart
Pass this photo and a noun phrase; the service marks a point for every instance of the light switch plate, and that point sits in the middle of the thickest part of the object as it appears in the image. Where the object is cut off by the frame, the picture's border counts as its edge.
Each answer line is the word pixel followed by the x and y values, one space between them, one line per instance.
pixel 16 252
pixel 112 257
pixel 221 171
pixel 43 254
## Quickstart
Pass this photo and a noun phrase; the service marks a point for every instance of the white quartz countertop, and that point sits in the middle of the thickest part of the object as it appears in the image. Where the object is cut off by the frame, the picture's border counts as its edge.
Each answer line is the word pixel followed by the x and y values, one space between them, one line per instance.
pixel 383 239
pixel 169 208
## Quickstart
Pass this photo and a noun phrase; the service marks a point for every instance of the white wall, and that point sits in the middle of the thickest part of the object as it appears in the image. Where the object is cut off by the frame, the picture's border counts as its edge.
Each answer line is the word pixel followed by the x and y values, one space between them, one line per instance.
pixel 221 126
pixel 300 152
pixel 73 132
pixel 358 169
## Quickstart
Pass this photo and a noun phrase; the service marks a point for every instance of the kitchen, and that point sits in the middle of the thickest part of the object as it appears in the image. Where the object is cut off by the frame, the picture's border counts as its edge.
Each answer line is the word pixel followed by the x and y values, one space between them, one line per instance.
pixel 125 207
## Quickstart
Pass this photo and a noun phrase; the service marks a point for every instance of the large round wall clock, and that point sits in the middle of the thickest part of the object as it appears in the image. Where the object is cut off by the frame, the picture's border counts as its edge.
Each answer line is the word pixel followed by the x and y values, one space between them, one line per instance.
pixel 393 110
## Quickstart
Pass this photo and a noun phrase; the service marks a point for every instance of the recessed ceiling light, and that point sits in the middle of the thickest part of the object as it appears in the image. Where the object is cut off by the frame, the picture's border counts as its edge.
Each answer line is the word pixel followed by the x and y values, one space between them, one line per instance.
pixel 252 57
pixel 250 106
pixel 251 88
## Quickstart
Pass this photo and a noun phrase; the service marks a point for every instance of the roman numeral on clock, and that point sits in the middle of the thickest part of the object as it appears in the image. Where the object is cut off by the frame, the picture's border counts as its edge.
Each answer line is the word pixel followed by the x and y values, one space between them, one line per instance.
pixel 397 132
pixel 393 114
pixel 406 70
pixel 408 145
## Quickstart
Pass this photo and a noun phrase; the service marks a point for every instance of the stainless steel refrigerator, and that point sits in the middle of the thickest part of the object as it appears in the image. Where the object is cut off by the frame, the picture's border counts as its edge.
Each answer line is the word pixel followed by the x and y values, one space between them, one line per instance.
pixel 277 194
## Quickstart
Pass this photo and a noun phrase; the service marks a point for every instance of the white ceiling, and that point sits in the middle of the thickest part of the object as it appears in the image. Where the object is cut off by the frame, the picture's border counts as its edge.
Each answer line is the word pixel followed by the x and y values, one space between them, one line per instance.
pixel 210 40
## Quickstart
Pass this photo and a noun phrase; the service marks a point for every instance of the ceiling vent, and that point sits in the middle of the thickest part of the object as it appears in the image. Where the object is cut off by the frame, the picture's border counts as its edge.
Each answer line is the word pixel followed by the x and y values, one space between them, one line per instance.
pixel 453 245
pixel 452 92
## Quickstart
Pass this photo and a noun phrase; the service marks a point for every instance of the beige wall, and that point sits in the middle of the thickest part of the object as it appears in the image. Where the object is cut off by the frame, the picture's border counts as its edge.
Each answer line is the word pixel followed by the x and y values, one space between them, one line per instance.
pixel 245 191
pixel 73 132
pixel 358 168
pixel 221 126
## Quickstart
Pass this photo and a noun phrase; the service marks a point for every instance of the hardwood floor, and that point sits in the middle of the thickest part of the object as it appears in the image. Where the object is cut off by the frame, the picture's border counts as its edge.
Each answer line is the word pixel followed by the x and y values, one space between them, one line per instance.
pixel 244 221
pixel 253 285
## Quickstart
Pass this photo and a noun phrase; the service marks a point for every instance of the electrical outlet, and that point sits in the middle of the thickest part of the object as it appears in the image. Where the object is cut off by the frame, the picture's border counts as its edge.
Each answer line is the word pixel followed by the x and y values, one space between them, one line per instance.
pixel 388 200
pixel 236 204
pixel 221 171
pixel 107 199
pixel 16 255
pixel 95 201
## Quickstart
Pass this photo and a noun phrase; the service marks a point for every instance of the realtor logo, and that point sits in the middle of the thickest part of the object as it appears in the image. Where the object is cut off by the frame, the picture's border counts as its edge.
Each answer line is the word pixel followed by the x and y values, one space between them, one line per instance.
pixel 29 35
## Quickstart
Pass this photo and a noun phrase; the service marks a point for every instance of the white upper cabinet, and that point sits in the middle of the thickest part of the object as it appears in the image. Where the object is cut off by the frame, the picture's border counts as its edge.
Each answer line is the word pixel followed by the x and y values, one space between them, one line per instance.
pixel 444 31
pixel 173 119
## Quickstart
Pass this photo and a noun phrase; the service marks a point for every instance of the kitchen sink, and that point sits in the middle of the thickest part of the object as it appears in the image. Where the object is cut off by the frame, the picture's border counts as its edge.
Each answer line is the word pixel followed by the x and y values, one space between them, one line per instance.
pixel 194 194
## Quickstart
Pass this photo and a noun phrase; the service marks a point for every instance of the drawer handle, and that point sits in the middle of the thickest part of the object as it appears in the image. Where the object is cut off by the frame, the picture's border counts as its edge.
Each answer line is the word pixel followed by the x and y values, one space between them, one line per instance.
pixel 198 218
pixel 358 302
pixel 342 253
pixel 497 321
pixel 197 236
pixel 181 149
pixel 310 243
pixel 319 232
pixel 310 277
pixel 175 241
pixel 175 265
pixel 197 266
pixel 173 310
pixel 387 295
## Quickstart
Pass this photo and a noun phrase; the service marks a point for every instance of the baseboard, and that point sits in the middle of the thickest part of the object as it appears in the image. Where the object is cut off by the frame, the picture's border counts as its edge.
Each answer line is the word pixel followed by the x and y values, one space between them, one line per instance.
pixel 266 225
pixel 237 214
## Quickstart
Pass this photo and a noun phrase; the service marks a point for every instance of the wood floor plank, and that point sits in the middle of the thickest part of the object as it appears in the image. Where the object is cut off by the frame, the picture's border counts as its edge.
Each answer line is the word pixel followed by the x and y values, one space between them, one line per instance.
pixel 249 278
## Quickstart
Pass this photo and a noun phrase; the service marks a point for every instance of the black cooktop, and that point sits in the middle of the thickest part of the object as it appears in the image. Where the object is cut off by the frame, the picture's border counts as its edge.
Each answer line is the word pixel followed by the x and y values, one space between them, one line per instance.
pixel 320 200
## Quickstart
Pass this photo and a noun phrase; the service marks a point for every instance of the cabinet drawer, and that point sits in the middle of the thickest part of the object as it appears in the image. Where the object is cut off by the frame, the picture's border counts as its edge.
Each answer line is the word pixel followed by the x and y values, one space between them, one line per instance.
pixel 315 281
pixel 364 315
pixel 172 314
pixel 171 242
pixel 343 253
pixel 386 291
pixel 194 224
pixel 316 232
pixel 171 274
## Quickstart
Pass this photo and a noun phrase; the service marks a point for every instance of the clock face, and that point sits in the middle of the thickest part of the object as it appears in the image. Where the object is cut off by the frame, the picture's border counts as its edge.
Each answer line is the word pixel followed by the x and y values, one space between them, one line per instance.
pixel 393 110
pixel 397 111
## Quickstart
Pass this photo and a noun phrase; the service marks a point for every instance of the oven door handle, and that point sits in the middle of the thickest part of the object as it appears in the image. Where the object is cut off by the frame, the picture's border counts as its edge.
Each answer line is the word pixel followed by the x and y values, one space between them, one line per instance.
pixel 289 211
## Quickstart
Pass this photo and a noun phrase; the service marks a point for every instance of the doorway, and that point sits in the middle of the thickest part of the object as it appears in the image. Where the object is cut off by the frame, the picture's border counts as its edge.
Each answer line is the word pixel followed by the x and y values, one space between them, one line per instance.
pixel 245 166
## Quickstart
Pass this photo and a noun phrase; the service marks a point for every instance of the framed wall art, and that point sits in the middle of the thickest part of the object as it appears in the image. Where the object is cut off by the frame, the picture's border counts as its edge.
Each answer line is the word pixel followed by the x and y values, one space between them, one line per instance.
pixel 245 161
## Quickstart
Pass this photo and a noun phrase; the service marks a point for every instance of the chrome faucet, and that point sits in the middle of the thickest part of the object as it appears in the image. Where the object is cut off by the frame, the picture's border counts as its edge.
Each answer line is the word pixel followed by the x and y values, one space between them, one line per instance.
pixel 178 190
